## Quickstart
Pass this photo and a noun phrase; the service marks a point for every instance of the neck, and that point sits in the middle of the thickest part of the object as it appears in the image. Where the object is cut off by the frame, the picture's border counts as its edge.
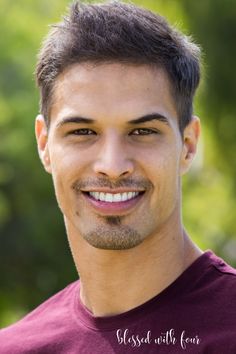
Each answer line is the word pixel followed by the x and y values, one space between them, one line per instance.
pixel 113 282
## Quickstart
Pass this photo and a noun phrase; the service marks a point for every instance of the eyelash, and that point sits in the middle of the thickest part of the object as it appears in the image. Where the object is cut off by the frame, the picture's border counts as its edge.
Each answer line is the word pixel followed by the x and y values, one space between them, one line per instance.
pixel 147 132
pixel 75 132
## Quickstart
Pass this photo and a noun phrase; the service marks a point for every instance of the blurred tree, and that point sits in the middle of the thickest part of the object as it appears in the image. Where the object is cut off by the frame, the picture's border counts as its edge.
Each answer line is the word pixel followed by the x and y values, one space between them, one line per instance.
pixel 35 257
pixel 210 208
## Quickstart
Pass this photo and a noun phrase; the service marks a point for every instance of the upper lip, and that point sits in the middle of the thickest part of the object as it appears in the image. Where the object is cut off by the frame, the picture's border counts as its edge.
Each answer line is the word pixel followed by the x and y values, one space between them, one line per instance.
pixel 113 191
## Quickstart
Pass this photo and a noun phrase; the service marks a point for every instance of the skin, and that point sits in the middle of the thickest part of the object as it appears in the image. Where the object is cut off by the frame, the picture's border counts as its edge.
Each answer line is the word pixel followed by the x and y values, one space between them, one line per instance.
pixel 117 253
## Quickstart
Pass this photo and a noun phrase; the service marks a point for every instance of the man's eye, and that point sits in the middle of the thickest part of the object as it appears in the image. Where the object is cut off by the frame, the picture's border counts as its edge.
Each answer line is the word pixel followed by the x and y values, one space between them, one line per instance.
pixel 82 132
pixel 143 131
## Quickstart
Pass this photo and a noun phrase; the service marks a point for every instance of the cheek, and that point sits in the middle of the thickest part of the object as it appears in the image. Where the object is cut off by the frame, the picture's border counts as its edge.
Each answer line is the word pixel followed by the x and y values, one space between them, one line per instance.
pixel 67 163
pixel 65 170
pixel 163 171
pixel 160 164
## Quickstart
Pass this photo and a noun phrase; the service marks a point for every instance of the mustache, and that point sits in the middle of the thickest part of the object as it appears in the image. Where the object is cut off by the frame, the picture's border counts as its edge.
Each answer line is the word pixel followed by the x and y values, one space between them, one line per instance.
pixel 92 183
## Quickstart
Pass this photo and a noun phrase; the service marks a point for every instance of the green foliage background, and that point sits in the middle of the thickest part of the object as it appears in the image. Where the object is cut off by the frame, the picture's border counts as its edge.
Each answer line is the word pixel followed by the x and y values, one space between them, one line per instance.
pixel 34 254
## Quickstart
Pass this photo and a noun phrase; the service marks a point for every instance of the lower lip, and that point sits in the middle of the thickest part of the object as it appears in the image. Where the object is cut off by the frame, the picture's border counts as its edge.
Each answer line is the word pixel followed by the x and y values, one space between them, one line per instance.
pixel 110 208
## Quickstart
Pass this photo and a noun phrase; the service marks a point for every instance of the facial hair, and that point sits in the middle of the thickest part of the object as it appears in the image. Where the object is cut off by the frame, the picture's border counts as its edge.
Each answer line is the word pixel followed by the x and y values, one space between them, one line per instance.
pixel 113 238
pixel 112 233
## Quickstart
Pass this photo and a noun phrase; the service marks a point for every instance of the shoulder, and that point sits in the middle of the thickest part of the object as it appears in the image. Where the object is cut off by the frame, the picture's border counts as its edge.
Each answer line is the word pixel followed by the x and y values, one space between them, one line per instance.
pixel 222 283
pixel 213 291
pixel 222 272
pixel 40 326
pixel 213 276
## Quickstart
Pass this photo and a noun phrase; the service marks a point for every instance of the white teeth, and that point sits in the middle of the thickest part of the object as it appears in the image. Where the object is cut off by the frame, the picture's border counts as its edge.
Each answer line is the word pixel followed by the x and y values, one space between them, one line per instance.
pixel 130 195
pixel 113 198
pixel 100 195
pixel 96 195
pixel 108 197
pixel 117 197
pixel 124 196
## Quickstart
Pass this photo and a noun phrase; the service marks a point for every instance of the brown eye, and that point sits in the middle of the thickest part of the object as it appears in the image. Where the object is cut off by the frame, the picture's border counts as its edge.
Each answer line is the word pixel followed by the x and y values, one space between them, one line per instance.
pixel 82 132
pixel 144 131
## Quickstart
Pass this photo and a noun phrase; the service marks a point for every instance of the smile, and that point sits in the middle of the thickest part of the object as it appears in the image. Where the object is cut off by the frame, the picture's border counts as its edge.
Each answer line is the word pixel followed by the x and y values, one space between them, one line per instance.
pixel 113 197
pixel 107 203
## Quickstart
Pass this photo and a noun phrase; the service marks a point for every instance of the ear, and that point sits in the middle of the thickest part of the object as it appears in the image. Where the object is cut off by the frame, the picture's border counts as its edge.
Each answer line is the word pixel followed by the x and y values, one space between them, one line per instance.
pixel 41 132
pixel 190 140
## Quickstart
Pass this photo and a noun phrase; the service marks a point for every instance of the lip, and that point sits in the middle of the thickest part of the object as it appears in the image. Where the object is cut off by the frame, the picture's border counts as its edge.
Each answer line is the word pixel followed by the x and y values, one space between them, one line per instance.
pixel 113 191
pixel 108 208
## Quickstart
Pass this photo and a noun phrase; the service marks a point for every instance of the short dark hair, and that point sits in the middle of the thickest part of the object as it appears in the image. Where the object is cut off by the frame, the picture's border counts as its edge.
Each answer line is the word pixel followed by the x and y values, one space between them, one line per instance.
pixel 119 32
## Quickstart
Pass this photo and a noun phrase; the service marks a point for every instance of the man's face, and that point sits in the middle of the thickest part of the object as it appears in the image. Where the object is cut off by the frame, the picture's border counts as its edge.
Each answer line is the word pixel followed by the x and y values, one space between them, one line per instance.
pixel 115 152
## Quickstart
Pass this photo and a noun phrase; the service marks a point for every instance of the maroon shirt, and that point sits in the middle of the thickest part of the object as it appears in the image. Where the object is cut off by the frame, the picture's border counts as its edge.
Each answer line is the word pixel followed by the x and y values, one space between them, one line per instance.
pixel 195 314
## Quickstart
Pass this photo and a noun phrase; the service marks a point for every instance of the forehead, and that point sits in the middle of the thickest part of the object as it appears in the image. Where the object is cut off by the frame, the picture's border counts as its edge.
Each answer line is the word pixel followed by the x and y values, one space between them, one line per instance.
pixel 112 90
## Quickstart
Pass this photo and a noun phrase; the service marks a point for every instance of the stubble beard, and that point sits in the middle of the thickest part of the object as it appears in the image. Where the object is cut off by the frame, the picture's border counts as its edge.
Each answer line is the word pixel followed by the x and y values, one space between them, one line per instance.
pixel 113 235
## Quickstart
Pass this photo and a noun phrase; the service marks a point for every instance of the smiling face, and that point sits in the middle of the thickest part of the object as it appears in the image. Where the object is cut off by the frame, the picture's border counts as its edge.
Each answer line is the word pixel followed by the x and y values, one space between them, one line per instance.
pixel 115 152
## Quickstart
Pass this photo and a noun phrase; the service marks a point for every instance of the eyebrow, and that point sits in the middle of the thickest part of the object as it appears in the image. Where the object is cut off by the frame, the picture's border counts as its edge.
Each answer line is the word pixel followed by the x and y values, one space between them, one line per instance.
pixel 76 120
pixel 149 117
pixel 146 118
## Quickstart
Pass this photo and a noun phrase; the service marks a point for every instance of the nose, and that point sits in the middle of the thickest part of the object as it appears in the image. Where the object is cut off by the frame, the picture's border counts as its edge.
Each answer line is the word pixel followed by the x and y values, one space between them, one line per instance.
pixel 113 160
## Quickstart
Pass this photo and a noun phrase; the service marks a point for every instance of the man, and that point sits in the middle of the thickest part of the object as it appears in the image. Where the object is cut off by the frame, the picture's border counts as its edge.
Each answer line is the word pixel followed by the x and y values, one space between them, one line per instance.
pixel 116 131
